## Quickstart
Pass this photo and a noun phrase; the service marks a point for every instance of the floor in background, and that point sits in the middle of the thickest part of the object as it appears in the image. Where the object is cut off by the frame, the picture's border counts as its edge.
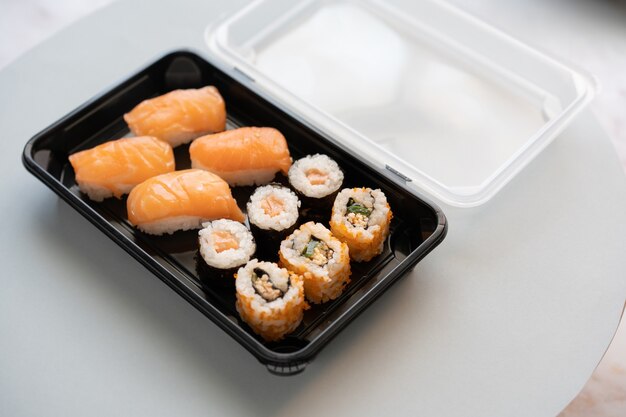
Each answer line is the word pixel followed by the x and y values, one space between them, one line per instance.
pixel 604 394
pixel 603 52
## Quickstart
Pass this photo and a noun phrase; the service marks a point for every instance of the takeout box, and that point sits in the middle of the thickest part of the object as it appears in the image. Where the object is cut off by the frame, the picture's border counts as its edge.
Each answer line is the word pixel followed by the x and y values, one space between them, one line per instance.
pixel 415 98
pixel 418 226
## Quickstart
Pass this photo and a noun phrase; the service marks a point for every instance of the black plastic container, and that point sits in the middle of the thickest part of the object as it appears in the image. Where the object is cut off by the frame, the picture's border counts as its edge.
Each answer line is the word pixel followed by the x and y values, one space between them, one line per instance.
pixel 418 225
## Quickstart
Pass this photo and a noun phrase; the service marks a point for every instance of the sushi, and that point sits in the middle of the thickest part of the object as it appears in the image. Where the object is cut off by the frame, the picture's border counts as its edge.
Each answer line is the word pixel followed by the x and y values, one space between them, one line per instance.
pixel 361 218
pixel 225 245
pixel 113 168
pixel 244 156
pixel 181 200
pixel 273 214
pixel 270 299
pixel 322 260
pixel 179 116
pixel 317 179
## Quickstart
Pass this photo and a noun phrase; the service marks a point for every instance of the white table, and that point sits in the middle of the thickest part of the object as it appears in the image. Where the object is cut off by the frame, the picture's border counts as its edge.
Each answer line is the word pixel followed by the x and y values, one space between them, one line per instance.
pixel 509 316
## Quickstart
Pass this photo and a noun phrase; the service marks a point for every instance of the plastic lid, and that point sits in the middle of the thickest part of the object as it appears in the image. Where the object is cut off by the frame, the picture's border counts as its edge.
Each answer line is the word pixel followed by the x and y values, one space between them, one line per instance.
pixel 451 105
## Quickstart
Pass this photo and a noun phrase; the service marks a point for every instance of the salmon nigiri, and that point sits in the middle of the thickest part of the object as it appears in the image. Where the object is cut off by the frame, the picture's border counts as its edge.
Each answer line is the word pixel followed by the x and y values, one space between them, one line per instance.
pixel 179 116
pixel 114 168
pixel 181 200
pixel 244 156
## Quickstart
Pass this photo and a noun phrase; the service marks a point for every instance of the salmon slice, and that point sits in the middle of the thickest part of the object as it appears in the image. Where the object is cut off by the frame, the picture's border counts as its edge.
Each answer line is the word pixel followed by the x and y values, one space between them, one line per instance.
pixel 244 156
pixel 272 206
pixel 181 200
pixel 114 168
pixel 179 116
pixel 316 177
pixel 224 240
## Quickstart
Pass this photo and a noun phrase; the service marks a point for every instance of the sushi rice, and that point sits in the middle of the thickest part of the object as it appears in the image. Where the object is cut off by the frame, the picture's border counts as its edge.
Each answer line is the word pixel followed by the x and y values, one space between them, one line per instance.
pixel 171 225
pixel 240 178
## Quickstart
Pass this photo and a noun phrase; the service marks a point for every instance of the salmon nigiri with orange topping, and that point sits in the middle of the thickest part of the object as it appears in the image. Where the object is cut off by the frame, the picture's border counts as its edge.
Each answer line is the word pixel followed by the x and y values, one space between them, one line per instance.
pixel 181 200
pixel 114 168
pixel 180 115
pixel 244 156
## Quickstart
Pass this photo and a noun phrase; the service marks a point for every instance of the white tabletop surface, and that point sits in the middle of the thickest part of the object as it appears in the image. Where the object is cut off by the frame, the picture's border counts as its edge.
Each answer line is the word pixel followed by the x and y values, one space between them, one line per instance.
pixel 509 316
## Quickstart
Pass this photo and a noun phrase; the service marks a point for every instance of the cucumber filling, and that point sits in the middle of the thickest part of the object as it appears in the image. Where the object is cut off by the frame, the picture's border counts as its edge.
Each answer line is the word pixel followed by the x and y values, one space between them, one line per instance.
pixel 317 251
pixel 357 214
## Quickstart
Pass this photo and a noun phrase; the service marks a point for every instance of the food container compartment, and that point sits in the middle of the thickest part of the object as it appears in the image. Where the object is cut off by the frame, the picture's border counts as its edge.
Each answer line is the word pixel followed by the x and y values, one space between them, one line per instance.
pixel 418 225
pixel 418 87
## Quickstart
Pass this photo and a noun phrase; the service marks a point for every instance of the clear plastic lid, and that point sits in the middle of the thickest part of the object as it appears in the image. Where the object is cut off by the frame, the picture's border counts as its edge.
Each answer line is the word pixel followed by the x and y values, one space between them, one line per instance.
pixel 450 104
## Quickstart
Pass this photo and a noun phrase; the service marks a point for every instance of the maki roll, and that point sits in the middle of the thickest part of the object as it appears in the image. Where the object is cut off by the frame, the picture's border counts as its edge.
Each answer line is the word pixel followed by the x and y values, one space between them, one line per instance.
pixel 323 261
pixel 361 218
pixel 317 179
pixel 273 214
pixel 270 299
pixel 225 245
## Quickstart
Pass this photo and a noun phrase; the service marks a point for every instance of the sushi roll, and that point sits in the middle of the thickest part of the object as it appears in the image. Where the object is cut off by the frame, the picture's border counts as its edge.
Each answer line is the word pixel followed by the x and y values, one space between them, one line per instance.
pixel 316 179
pixel 113 168
pixel 273 214
pixel 244 156
pixel 225 246
pixel 361 218
pixel 180 200
pixel 270 299
pixel 179 116
pixel 322 260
